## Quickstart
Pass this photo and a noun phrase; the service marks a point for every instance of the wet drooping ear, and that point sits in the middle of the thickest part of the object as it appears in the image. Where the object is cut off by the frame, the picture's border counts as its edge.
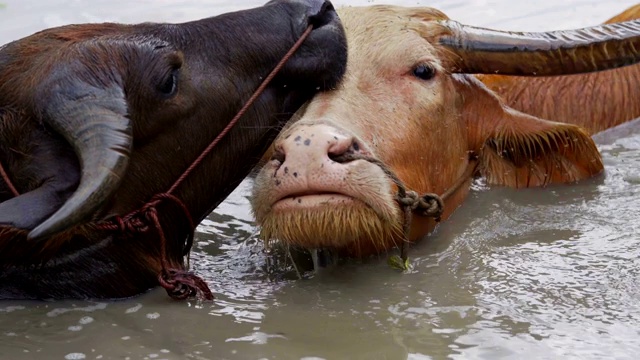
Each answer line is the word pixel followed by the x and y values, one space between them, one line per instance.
pixel 524 151
pixel 519 150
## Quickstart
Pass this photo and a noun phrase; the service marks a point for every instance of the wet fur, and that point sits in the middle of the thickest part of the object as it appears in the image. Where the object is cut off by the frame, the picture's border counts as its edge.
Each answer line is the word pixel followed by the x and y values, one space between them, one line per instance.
pixel 131 264
pixel 519 150
pixel 355 230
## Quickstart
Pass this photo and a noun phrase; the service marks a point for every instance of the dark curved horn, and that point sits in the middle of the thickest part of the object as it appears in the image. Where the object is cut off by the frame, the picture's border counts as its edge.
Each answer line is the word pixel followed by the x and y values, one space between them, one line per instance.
pixel 94 122
pixel 485 51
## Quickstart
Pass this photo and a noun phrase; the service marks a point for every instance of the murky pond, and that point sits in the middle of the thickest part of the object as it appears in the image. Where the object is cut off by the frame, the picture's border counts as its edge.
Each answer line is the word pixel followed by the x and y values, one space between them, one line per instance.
pixel 531 274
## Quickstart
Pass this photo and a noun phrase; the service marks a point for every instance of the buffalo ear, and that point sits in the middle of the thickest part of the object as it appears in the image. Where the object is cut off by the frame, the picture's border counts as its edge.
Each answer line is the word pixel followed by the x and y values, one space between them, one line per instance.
pixel 524 151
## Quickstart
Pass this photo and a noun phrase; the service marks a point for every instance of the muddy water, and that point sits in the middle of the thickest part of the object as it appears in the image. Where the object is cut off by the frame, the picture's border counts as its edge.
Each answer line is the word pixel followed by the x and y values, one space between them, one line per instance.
pixel 534 274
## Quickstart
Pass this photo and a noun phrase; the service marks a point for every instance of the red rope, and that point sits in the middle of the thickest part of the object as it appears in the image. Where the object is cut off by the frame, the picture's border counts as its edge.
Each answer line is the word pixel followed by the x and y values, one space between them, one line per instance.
pixel 178 283
pixel 244 109
pixel 7 181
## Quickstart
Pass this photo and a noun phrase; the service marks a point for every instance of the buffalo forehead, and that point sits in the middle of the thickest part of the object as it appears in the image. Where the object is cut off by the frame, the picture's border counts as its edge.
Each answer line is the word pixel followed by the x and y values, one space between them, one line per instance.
pixel 386 38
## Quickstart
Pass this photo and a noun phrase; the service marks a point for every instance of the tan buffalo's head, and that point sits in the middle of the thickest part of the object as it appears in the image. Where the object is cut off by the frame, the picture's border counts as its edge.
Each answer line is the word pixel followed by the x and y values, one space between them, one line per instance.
pixel 407 99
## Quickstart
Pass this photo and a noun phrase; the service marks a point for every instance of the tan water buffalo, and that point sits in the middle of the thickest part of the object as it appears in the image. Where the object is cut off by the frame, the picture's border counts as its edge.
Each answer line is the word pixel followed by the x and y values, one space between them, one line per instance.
pixel 410 107
pixel 96 119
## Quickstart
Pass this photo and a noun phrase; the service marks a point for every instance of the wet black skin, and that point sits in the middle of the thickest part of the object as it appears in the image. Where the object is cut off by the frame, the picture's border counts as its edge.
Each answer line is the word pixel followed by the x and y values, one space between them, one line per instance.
pixel 164 91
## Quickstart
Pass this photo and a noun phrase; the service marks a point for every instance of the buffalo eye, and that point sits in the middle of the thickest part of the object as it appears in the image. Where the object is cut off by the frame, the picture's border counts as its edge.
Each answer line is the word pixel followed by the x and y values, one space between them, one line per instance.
pixel 424 72
pixel 170 84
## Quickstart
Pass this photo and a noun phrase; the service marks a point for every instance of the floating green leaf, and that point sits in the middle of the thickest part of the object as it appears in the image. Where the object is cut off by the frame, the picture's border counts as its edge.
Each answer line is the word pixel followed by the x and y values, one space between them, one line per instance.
pixel 3 5
pixel 396 262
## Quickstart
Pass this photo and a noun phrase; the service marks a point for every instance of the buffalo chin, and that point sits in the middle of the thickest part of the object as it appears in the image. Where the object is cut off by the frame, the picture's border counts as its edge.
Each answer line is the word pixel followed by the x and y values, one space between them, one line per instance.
pixel 351 229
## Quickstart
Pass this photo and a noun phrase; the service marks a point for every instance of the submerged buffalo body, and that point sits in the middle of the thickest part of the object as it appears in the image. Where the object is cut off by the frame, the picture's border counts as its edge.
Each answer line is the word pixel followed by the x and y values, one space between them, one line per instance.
pixel 95 119
pixel 409 103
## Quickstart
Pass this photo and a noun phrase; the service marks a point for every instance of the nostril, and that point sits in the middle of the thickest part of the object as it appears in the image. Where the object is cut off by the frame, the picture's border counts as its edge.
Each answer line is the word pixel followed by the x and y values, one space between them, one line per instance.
pixel 279 156
pixel 328 6
pixel 323 15
pixel 346 153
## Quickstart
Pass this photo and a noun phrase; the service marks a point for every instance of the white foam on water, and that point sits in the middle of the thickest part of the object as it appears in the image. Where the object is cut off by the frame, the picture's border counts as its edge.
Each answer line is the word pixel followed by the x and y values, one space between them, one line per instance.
pixel 89 308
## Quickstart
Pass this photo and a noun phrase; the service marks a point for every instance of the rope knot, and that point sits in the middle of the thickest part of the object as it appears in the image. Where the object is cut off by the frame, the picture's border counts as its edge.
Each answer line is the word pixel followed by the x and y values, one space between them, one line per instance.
pixel 181 284
pixel 129 225
pixel 428 204
pixel 136 226
pixel 410 199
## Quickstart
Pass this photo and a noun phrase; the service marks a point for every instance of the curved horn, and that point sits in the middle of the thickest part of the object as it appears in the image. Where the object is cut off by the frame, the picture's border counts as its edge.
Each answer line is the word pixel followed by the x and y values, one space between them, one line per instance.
pixel 485 51
pixel 94 122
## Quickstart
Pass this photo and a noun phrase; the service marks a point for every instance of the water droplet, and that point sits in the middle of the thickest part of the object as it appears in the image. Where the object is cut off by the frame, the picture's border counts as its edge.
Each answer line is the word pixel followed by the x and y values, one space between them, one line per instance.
pixel 133 309
pixel 86 320
pixel 75 356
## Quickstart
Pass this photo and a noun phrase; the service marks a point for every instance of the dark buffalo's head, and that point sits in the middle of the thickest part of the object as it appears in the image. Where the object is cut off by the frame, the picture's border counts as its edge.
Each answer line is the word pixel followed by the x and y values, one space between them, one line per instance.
pixel 97 118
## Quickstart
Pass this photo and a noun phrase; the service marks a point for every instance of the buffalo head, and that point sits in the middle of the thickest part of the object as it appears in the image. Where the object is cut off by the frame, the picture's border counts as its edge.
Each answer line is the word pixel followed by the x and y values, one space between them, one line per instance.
pixel 97 118
pixel 409 101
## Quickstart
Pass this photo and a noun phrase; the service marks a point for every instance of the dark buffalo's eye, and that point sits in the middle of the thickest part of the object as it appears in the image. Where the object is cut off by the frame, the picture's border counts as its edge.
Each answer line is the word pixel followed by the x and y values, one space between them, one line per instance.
pixel 424 72
pixel 169 86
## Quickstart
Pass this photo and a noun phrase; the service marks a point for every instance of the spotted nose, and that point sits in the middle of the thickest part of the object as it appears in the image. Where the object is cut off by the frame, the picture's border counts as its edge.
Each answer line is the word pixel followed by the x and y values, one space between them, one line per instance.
pixel 311 148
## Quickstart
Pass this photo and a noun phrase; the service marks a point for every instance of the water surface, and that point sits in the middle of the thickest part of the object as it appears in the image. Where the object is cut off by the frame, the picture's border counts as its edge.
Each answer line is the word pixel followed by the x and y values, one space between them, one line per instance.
pixel 530 274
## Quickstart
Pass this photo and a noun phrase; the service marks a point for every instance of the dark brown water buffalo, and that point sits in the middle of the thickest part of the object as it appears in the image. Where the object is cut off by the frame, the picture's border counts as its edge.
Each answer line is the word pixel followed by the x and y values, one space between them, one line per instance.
pixel 95 119
pixel 410 103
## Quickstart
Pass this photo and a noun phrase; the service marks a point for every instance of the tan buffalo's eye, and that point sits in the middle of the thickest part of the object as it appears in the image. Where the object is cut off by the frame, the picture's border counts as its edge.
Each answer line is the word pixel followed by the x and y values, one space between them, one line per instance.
pixel 424 72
